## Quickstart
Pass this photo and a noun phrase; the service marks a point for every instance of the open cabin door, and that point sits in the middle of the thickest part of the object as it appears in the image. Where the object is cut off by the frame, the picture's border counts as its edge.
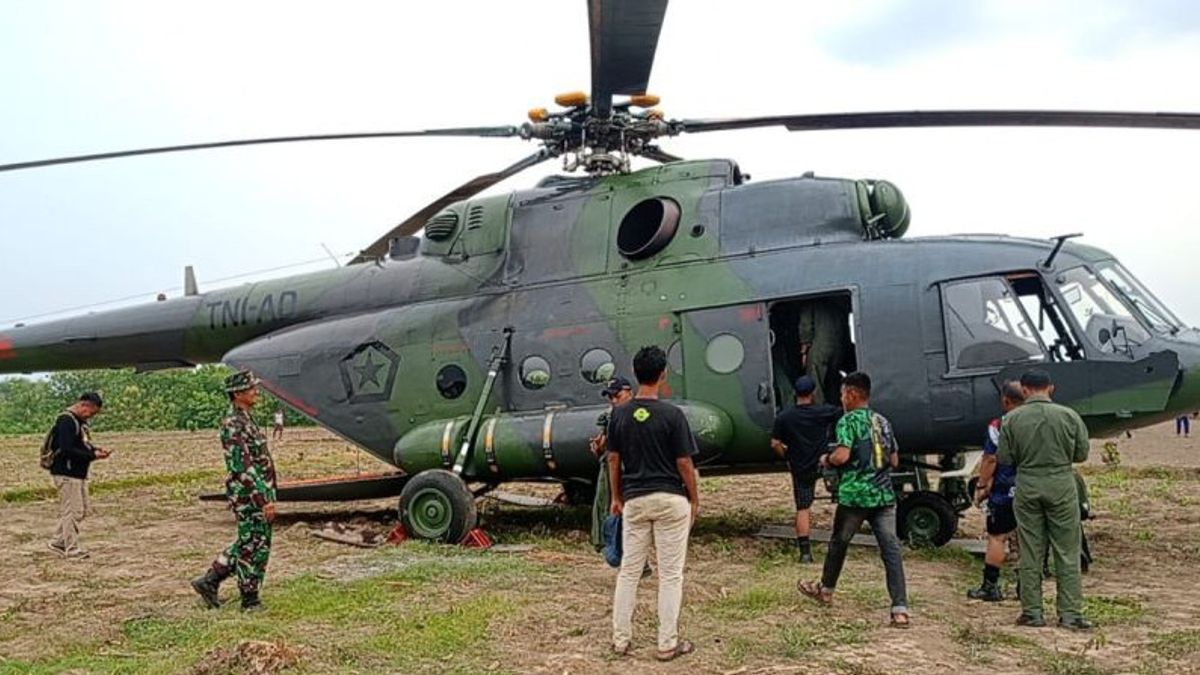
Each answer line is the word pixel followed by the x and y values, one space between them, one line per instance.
pixel 727 362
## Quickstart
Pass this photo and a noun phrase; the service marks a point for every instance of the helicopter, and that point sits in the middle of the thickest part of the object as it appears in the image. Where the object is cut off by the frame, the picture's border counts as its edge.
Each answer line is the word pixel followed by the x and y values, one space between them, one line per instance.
pixel 466 346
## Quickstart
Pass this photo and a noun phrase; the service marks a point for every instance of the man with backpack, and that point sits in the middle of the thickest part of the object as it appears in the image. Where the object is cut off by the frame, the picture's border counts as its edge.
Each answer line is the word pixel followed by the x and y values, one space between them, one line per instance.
pixel 68 453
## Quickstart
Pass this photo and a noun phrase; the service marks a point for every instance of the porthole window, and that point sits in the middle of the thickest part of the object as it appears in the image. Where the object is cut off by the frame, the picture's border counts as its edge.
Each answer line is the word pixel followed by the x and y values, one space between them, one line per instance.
pixel 675 358
pixel 597 366
pixel 648 228
pixel 725 353
pixel 535 372
pixel 451 381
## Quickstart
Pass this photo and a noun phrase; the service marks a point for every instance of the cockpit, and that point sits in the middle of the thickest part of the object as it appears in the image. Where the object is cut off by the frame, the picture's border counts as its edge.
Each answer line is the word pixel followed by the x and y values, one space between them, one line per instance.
pixel 1025 317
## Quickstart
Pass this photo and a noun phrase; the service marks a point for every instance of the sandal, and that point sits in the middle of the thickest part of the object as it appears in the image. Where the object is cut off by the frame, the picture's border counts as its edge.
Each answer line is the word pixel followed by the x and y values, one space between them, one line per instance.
pixel 813 590
pixel 622 651
pixel 896 623
pixel 682 647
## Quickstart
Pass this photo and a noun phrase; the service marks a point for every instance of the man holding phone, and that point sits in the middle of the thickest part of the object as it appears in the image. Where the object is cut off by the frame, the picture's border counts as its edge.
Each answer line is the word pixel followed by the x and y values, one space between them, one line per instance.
pixel 250 489
pixel 73 454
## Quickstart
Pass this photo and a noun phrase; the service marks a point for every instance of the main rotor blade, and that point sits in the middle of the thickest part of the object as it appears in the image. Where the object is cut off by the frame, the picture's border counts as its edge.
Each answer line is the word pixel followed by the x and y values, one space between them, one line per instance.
pixel 953 118
pixel 464 131
pixel 469 189
pixel 624 36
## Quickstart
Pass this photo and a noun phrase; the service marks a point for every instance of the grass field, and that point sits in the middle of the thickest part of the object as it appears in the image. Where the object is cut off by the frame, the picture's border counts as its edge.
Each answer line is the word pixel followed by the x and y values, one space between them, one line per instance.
pixel 426 608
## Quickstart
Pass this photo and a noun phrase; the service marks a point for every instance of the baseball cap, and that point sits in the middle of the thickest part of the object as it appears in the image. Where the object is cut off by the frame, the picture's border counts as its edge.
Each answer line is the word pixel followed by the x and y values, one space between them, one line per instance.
pixel 615 385
pixel 804 385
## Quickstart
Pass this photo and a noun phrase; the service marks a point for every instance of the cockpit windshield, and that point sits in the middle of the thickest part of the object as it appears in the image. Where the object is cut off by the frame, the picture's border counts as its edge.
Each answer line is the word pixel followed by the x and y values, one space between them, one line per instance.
pixel 1132 291
pixel 1108 322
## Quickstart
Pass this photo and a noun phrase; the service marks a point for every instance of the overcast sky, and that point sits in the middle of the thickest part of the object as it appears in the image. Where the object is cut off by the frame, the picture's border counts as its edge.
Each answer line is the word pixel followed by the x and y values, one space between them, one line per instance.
pixel 78 77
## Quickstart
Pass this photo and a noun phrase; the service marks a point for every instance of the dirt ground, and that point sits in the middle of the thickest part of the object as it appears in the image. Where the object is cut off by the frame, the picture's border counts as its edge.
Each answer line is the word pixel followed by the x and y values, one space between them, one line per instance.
pixel 420 608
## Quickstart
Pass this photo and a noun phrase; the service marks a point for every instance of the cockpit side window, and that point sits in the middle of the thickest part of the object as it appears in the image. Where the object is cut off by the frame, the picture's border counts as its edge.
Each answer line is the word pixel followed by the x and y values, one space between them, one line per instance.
pixel 986 327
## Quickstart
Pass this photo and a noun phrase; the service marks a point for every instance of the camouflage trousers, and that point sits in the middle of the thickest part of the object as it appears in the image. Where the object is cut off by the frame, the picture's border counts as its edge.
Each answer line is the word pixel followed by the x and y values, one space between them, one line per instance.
pixel 248 555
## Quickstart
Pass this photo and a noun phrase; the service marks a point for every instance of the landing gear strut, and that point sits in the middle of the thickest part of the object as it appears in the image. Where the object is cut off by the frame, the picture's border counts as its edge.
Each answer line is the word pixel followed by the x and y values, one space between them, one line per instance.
pixel 928 517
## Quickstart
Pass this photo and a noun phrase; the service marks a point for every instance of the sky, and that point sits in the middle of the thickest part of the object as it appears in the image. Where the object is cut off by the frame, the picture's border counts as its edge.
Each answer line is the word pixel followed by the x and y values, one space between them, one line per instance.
pixel 80 77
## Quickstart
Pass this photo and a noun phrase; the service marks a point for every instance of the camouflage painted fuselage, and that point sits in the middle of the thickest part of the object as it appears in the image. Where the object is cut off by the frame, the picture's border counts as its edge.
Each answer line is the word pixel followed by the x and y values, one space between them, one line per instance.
pixel 359 348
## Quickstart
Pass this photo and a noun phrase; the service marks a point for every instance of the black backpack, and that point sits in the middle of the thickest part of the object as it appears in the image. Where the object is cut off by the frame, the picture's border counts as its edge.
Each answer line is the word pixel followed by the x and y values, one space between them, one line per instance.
pixel 49 452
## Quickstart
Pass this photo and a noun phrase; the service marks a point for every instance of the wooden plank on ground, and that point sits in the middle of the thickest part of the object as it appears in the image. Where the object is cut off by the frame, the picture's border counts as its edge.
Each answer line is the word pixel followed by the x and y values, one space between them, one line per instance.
pixel 972 546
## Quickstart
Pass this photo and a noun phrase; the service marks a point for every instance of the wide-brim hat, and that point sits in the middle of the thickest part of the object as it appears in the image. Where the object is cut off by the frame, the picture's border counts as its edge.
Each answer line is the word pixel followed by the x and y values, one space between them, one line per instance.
pixel 240 381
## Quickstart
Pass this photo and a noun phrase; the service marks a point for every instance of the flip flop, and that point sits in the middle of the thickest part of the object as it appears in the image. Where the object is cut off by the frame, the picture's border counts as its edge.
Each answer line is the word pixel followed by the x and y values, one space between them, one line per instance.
pixel 813 590
pixel 902 625
pixel 682 647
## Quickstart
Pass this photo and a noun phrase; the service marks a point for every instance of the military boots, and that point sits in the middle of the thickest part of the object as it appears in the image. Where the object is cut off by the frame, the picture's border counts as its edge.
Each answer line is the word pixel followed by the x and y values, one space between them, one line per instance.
pixel 987 592
pixel 251 603
pixel 208 587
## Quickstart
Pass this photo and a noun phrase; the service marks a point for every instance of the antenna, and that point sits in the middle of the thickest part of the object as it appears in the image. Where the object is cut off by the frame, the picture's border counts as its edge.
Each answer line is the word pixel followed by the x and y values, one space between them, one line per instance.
pixel 331 256
pixel 189 282
pixel 1061 239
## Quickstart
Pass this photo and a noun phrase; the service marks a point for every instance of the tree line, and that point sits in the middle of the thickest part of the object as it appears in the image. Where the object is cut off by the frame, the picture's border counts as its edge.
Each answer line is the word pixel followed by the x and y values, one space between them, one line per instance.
pixel 158 401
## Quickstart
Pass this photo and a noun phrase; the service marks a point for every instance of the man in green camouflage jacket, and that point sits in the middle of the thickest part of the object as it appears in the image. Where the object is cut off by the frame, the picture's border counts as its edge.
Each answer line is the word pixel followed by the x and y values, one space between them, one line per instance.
pixel 865 456
pixel 250 489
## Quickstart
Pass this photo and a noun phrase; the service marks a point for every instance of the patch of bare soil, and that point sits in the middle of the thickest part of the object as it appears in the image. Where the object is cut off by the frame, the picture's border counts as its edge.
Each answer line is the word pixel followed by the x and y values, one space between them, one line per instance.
pixel 249 657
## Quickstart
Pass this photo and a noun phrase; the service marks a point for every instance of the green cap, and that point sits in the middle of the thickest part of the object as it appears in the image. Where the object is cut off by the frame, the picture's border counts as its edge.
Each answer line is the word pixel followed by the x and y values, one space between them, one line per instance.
pixel 240 381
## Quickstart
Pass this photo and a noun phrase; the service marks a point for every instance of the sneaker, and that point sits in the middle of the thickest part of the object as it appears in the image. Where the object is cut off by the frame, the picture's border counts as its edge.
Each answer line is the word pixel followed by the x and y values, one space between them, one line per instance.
pixel 806 558
pixel 1078 623
pixel 1031 621
pixel 251 603
pixel 986 593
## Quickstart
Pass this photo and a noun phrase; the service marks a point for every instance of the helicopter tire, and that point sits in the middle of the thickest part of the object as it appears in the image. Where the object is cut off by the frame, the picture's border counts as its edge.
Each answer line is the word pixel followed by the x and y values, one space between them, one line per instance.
pixel 438 506
pixel 926 519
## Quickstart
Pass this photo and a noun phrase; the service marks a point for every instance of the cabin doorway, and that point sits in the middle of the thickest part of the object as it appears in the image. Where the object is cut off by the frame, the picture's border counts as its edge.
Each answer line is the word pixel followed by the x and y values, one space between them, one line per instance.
pixel 812 336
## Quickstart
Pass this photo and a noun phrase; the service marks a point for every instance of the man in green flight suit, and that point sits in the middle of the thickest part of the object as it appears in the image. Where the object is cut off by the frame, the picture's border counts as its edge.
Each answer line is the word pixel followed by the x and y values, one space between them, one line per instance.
pixel 250 489
pixel 1042 440
pixel 824 334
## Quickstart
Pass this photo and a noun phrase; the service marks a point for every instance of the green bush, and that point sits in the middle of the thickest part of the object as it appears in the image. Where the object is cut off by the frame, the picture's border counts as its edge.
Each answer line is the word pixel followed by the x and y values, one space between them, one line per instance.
pixel 170 399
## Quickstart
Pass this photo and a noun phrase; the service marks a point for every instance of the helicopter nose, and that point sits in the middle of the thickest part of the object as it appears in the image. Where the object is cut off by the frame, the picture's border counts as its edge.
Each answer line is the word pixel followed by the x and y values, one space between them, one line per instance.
pixel 1186 396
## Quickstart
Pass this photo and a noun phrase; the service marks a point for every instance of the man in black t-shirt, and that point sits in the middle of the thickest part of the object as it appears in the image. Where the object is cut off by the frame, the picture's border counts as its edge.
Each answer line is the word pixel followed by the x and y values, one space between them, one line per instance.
pixel 801 435
pixel 653 483
pixel 73 456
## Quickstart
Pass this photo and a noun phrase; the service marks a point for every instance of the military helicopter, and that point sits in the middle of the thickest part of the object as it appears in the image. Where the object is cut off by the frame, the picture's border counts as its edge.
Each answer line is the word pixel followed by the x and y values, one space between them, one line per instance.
pixel 471 355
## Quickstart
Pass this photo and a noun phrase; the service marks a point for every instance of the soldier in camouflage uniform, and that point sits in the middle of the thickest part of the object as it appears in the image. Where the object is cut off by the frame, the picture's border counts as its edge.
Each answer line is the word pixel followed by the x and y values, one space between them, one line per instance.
pixel 618 391
pixel 824 333
pixel 250 489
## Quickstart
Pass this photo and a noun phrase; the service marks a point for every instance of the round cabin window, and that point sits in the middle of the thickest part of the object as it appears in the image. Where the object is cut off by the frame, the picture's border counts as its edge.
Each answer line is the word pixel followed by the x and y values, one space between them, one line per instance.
pixel 451 381
pixel 675 358
pixel 648 228
pixel 597 366
pixel 535 372
pixel 725 353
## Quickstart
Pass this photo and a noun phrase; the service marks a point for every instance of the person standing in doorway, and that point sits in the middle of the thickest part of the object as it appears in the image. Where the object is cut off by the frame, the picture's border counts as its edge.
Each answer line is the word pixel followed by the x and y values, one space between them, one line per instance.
pixel 824 329
pixel 654 489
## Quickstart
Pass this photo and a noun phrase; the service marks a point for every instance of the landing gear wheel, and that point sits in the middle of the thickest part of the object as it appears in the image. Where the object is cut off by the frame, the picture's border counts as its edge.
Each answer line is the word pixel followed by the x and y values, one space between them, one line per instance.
pixel 437 505
pixel 578 493
pixel 926 519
